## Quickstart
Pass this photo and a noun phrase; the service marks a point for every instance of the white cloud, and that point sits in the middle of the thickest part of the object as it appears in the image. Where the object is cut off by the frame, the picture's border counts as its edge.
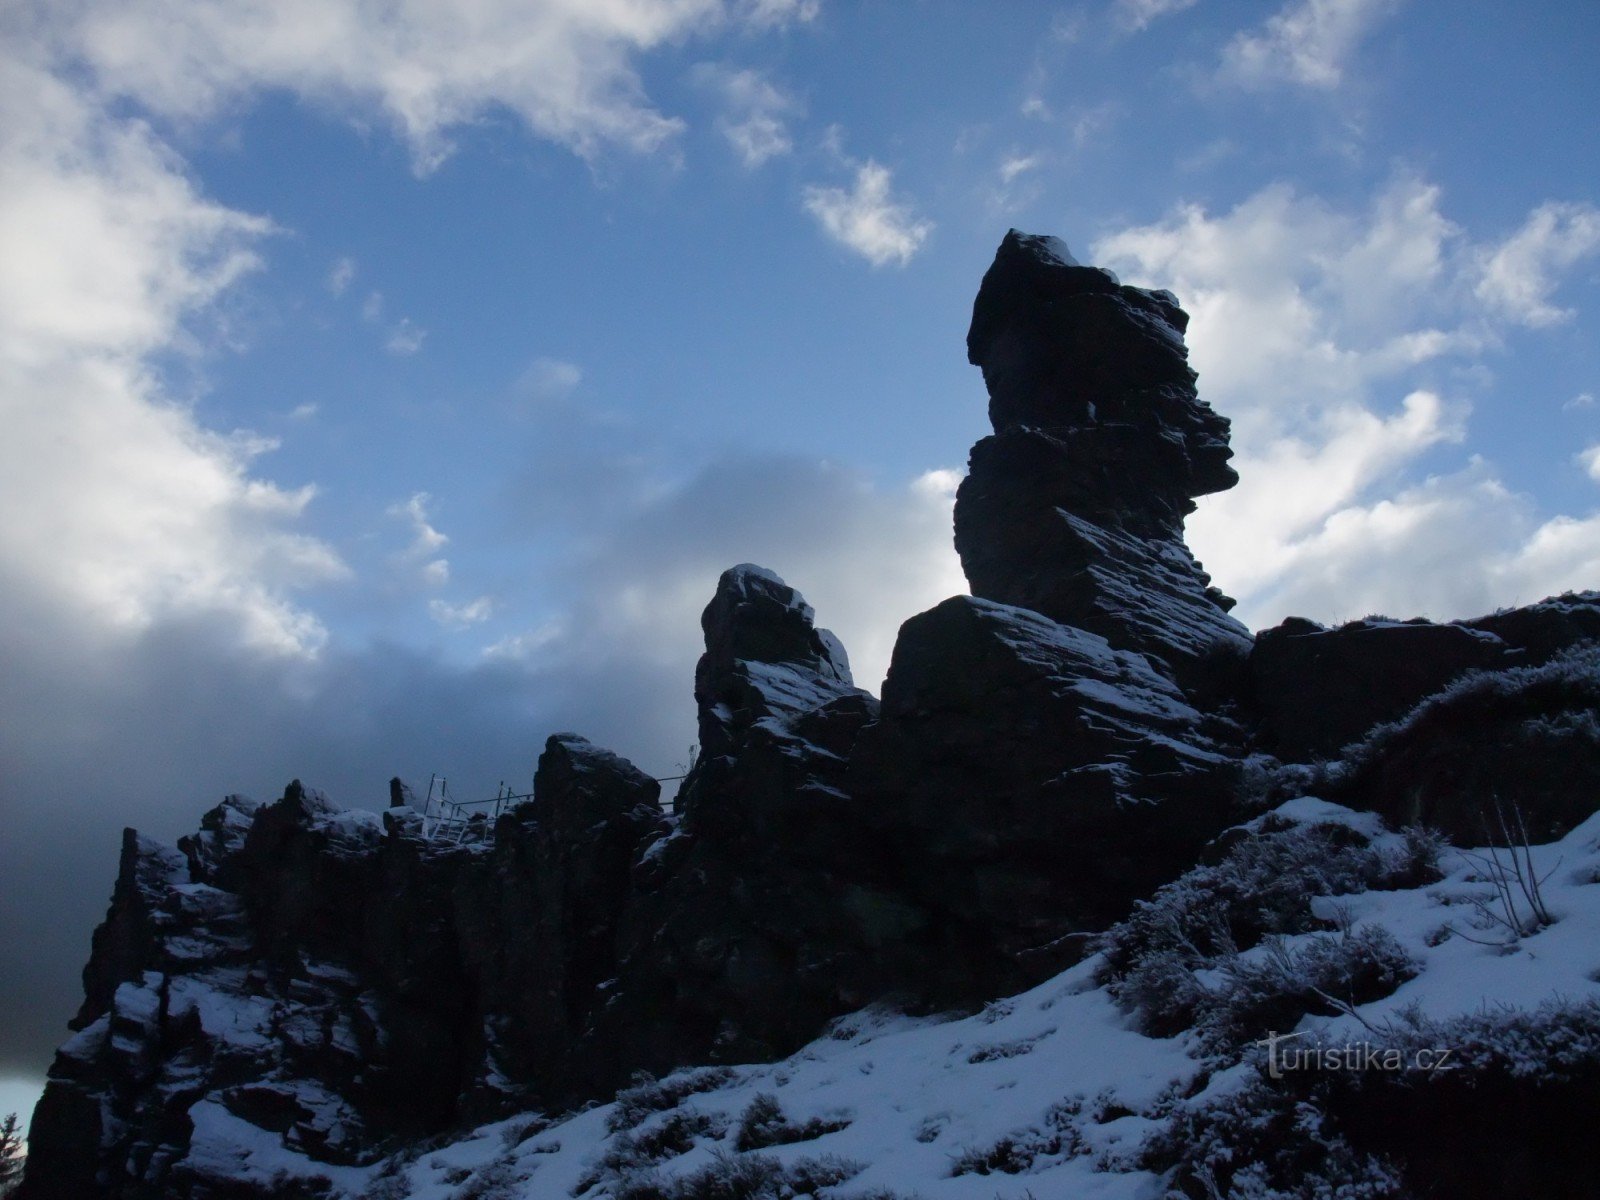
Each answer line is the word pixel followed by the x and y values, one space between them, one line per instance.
pixel 1015 185
pixel 436 573
pixel 461 616
pixel 1016 164
pixel 1452 546
pixel 778 13
pixel 1253 536
pixel 425 539
pixel 754 111
pixel 1297 306
pixel 405 339
pixel 105 245
pixel 549 379
pixel 1589 460
pixel 939 483
pixel 1136 15
pixel 868 219
pixel 563 66
pixel 121 507
pixel 1088 123
pixel 340 275
pixel 1308 42
pixel 521 647
pixel 1581 400
pixel 1519 275
pixel 302 412
pixel 372 306
pixel 1307 323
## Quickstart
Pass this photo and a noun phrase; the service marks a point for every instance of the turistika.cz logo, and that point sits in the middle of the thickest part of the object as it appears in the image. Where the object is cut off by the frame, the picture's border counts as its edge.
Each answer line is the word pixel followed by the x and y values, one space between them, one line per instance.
pixel 1350 1056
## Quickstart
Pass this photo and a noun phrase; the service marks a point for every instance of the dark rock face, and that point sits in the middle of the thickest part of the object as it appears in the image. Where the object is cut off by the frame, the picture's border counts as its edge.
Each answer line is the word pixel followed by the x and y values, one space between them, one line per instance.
pixel 300 970
pixel 1028 783
pixel 1321 689
pixel 540 927
pixel 1075 507
pixel 1318 689
pixel 741 940
pixel 1033 781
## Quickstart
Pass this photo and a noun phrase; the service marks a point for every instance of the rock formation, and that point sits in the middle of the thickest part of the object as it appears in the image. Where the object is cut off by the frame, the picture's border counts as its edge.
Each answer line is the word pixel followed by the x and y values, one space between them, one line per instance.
pixel 1074 508
pixel 299 983
pixel 1450 725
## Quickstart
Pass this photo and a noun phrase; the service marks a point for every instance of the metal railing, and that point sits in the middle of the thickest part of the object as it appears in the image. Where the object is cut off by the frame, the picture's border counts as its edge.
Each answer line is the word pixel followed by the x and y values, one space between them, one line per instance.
pixel 446 819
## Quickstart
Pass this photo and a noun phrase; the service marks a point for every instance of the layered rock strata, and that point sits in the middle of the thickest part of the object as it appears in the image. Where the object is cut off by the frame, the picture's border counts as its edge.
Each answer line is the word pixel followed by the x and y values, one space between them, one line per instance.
pixel 1074 508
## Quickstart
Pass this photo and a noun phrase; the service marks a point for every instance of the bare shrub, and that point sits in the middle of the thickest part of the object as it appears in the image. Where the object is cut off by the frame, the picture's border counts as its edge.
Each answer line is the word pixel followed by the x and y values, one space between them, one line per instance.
pixel 764 1124
pixel 648 1095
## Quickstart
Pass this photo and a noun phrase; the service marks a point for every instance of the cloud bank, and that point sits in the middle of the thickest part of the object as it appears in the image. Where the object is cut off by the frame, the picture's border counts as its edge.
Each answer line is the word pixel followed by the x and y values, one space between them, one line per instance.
pixel 1312 328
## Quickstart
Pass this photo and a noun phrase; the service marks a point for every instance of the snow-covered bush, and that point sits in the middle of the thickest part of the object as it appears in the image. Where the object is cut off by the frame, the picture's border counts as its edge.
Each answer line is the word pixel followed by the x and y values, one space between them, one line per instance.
pixel 1262 887
pixel 497 1181
pixel 1562 694
pixel 764 1124
pixel 1263 1142
pixel 1529 735
pixel 743 1177
pixel 1327 974
pixel 648 1095
pixel 1058 1136
pixel 651 1143
pixel 1557 1041
pixel 1495 1103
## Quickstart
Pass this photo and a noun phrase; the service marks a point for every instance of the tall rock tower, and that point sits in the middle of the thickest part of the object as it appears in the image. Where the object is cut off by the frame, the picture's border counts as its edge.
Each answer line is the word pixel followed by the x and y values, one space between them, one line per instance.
pixel 1074 508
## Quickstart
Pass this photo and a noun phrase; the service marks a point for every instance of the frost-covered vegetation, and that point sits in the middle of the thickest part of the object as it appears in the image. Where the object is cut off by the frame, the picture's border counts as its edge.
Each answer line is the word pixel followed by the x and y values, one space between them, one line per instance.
pixel 1560 696
pixel 1158 962
pixel 1347 1132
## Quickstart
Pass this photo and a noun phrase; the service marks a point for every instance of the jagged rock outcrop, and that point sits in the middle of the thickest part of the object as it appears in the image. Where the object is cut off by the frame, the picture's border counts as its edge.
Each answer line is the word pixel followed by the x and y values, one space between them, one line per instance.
pixel 776 708
pixel 1033 781
pixel 746 931
pixel 1320 689
pixel 323 980
pixel 1074 507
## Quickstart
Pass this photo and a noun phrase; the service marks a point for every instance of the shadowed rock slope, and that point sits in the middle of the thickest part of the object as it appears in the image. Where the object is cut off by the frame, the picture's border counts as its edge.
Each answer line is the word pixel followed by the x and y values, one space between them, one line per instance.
pixel 299 984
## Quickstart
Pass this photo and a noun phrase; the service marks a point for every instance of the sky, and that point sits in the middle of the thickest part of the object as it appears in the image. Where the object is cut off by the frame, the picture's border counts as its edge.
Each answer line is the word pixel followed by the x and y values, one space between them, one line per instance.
pixel 384 385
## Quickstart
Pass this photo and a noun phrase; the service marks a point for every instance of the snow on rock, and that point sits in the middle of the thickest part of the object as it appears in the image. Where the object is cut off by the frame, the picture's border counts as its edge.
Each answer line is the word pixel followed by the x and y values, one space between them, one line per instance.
pixel 764 659
pixel 1044 778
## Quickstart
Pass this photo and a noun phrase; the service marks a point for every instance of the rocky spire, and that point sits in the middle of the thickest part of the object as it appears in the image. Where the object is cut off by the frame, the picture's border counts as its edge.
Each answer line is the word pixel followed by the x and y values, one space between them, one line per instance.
pixel 1074 507
pixel 765 662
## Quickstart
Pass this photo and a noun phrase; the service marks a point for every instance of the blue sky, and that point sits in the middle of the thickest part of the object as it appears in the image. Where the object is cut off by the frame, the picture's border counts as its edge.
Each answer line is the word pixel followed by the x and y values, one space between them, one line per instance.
pixel 386 384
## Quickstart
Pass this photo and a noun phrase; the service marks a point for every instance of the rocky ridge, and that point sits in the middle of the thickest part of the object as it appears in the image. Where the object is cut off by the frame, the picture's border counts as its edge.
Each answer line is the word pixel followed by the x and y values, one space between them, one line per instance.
pixel 323 985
